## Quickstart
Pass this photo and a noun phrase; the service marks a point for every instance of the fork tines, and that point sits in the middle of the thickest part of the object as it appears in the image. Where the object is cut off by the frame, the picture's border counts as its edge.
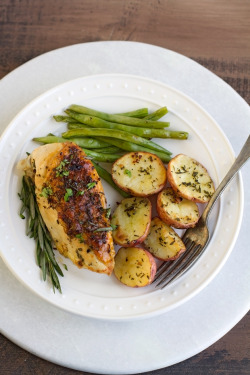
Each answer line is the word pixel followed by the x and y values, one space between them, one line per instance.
pixel 171 270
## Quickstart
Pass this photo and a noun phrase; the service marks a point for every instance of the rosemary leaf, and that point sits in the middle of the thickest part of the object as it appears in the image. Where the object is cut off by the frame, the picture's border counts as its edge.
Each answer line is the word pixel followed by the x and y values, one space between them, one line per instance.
pixel 58 269
pixel 22 210
pixel 104 229
pixel 49 251
pixel 41 222
pixel 38 254
pixel 55 280
pixel 35 229
pixel 43 265
pixel 40 236
pixel 32 207
pixel 28 231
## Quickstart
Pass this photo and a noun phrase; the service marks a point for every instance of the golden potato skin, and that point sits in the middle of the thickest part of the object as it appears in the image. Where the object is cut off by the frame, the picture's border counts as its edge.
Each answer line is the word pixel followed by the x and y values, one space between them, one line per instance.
pixel 139 173
pixel 176 211
pixel 132 221
pixel 134 267
pixel 190 179
pixel 163 242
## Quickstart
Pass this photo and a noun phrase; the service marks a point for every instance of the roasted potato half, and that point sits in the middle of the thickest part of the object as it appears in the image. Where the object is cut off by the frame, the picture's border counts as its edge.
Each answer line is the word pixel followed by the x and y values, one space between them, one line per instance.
pixel 139 173
pixel 132 221
pixel 134 266
pixel 163 242
pixel 176 211
pixel 190 179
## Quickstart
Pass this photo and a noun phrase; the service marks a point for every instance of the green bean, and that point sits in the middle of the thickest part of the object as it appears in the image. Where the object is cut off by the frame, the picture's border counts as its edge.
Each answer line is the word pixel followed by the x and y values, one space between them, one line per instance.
pixel 49 139
pixel 60 118
pixel 108 149
pixel 82 142
pixel 105 158
pixel 159 113
pixel 108 178
pixel 139 113
pixel 118 134
pixel 89 142
pixel 119 119
pixel 132 147
pixel 95 122
pixel 77 125
pixel 72 123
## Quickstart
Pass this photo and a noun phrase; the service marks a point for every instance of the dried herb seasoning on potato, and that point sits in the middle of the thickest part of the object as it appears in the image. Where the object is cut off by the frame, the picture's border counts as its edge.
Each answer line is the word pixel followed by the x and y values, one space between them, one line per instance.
pixel 139 173
pixel 163 242
pixel 190 179
pixel 176 211
pixel 131 221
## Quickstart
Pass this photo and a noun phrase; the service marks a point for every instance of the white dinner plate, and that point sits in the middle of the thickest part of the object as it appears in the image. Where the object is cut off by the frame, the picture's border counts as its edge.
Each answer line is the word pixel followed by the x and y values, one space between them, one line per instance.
pixel 83 292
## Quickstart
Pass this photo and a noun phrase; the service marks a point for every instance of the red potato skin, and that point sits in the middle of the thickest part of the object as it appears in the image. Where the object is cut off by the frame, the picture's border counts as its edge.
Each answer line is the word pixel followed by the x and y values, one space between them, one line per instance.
pixel 174 187
pixel 173 223
pixel 173 258
pixel 154 266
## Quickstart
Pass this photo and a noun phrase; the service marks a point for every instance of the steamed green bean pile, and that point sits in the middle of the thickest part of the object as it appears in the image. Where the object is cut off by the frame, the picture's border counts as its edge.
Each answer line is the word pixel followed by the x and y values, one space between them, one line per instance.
pixel 105 137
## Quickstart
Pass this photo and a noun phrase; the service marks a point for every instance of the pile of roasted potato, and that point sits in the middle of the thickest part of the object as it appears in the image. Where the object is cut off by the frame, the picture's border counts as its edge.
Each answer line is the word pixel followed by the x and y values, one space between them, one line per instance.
pixel 179 187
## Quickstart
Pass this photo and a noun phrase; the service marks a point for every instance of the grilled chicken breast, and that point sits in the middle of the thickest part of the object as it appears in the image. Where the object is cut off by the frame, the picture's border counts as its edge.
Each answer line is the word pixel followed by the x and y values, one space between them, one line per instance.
pixel 72 203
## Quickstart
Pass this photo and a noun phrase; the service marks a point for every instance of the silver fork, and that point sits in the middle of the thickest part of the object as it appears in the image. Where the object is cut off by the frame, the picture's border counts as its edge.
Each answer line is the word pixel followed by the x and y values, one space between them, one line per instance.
pixel 196 239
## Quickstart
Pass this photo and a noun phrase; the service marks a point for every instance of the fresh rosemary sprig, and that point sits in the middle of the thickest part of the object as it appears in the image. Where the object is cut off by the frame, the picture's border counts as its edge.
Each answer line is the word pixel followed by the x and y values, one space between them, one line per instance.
pixel 36 229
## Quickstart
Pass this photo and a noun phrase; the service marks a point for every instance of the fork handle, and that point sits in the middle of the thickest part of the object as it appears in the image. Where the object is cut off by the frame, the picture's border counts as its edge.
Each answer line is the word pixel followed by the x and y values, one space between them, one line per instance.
pixel 239 162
